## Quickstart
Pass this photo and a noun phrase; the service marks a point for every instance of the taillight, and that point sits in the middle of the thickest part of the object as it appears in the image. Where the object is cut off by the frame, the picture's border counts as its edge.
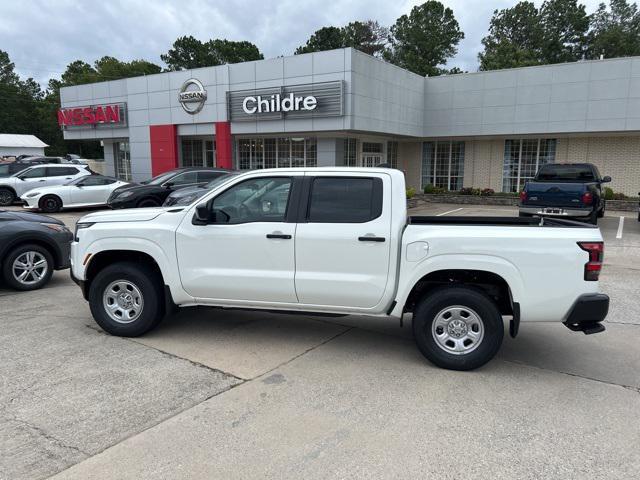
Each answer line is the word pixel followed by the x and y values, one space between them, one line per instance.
pixel 596 256
pixel 587 198
pixel 523 196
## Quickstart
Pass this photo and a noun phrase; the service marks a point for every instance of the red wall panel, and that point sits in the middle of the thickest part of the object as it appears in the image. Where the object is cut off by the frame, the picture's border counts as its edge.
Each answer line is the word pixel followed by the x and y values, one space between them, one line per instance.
pixel 164 148
pixel 224 150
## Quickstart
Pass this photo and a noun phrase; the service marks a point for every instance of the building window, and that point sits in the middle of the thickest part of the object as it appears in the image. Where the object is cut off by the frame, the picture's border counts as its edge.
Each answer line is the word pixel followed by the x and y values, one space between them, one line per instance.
pixel 258 153
pixel 209 153
pixel 392 154
pixel 350 152
pixel 523 158
pixel 122 160
pixel 192 153
pixel 443 164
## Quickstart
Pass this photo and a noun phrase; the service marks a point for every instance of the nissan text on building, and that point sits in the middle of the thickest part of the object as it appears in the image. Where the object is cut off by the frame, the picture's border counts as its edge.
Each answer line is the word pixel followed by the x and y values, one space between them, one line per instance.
pixel 345 108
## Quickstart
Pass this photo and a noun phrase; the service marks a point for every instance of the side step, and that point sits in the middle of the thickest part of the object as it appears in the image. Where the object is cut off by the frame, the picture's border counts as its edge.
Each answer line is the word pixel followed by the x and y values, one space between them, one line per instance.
pixel 586 328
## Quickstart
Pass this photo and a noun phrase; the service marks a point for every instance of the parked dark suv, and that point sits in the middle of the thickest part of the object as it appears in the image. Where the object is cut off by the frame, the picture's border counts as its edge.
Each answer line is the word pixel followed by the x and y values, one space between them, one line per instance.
pixel 32 246
pixel 153 193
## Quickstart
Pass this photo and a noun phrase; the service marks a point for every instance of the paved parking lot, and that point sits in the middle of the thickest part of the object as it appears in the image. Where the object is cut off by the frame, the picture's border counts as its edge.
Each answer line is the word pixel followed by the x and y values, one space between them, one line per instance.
pixel 219 394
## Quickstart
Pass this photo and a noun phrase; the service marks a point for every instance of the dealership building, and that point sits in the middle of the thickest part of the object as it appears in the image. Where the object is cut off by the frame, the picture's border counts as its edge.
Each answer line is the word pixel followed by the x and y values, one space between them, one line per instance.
pixel 342 107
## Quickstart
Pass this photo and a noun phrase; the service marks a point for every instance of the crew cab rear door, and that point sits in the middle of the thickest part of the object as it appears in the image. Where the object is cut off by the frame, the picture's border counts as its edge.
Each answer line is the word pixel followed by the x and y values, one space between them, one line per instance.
pixel 343 239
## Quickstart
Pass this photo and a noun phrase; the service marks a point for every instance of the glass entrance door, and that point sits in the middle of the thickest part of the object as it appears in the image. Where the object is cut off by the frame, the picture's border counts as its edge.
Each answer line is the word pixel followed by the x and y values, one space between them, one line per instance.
pixel 371 160
pixel 197 152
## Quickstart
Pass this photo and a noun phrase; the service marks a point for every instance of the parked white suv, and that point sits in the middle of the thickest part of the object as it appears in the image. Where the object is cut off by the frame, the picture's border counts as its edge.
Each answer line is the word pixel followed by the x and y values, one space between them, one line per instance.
pixel 338 241
pixel 16 185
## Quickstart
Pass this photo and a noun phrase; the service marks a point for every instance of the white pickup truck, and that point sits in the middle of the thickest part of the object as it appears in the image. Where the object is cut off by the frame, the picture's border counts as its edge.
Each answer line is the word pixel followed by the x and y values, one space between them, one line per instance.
pixel 338 241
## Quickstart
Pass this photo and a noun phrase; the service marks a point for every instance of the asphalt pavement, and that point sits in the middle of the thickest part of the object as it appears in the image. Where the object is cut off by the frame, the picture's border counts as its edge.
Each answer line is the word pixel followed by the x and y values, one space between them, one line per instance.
pixel 225 394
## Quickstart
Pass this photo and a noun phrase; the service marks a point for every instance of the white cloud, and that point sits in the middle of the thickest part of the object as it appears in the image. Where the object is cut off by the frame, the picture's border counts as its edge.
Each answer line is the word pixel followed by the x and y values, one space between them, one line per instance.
pixel 42 37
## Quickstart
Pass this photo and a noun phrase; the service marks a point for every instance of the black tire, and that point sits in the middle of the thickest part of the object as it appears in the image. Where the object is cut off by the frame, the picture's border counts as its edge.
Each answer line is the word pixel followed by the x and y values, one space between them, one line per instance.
pixel 149 286
pixel 602 210
pixel 30 282
pixel 7 197
pixel 593 217
pixel 148 202
pixel 50 204
pixel 464 299
pixel 522 214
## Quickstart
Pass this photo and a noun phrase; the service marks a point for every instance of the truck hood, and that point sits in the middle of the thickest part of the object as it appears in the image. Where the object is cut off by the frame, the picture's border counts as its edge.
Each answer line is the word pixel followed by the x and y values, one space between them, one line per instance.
pixel 126 215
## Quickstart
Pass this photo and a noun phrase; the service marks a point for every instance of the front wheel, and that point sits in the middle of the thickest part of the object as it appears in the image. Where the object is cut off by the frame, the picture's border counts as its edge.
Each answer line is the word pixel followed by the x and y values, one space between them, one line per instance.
pixel 50 204
pixel 7 197
pixel 126 299
pixel 458 328
pixel 27 267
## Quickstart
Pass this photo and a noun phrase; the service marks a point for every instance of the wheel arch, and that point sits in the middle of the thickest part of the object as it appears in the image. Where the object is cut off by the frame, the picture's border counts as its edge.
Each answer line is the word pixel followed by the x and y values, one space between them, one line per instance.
pixel 42 197
pixel 56 254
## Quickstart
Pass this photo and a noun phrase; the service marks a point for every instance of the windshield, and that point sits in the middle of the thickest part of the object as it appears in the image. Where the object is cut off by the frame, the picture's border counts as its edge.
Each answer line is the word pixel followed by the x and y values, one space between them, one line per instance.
pixel 221 179
pixel 77 180
pixel 163 177
pixel 565 173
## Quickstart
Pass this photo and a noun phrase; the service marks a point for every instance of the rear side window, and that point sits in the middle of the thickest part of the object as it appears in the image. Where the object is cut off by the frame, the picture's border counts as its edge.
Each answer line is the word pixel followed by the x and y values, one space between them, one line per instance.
pixel 61 171
pixel 35 173
pixel 345 200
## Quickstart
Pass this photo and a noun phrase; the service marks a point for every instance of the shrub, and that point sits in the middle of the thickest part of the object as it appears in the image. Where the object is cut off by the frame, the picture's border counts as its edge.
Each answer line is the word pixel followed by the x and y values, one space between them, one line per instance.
pixel 433 189
pixel 428 188
pixel 608 193
pixel 487 192
pixel 618 196
pixel 466 191
pixel 411 192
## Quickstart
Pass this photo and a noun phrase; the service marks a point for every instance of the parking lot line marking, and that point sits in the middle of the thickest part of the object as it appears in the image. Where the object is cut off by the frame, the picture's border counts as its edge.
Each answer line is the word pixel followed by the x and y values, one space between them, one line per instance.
pixel 620 227
pixel 450 211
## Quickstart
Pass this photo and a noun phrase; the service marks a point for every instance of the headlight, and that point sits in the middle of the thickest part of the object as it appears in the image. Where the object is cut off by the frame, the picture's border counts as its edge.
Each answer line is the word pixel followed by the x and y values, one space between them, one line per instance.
pixel 34 194
pixel 55 226
pixel 81 226
pixel 124 194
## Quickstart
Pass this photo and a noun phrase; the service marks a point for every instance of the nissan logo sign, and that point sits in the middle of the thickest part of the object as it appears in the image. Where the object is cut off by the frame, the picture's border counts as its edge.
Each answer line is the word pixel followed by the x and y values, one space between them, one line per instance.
pixel 192 96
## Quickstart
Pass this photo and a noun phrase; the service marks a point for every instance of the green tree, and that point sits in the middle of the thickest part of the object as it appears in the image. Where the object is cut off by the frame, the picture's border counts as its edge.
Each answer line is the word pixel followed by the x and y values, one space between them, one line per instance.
pixel 564 31
pixel 514 38
pixel 369 37
pixel 425 39
pixel 524 35
pixel 188 52
pixel 326 38
pixel 614 32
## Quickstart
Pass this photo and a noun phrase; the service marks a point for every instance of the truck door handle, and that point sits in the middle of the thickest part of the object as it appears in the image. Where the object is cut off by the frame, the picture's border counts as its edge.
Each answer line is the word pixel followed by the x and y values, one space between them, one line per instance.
pixel 279 235
pixel 371 239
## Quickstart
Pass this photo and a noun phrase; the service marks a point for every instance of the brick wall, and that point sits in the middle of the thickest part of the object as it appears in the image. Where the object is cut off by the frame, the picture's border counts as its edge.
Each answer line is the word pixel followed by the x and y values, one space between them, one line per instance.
pixel 618 157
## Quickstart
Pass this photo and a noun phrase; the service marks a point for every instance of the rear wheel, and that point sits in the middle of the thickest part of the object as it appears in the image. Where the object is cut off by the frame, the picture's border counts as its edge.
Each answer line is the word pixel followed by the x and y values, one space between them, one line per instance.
pixel 593 217
pixel 458 328
pixel 27 267
pixel 126 299
pixel 7 197
pixel 50 204
pixel 148 202
pixel 602 210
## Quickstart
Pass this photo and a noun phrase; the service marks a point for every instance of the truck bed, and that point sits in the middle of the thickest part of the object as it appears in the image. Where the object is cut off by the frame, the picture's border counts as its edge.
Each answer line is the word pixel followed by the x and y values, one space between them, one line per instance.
pixel 498 221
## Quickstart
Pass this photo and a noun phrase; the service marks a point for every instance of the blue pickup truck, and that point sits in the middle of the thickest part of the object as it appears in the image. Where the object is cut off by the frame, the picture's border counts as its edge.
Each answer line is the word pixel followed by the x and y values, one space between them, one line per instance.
pixel 572 190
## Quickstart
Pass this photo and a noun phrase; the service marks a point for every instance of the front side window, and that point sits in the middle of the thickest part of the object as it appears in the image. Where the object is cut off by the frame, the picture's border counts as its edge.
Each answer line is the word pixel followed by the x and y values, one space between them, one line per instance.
pixel 186 178
pixel 93 181
pixel 345 200
pixel 523 158
pixel 35 173
pixel 255 200
pixel 443 164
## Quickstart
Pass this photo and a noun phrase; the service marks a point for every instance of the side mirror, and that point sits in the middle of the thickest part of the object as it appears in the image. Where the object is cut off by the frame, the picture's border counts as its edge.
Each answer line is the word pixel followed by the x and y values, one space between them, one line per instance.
pixel 168 185
pixel 606 179
pixel 202 215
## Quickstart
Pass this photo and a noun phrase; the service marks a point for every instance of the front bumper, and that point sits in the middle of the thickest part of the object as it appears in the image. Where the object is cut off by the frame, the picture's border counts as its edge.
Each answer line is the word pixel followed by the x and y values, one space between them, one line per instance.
pixel 588 313
pixel 563 212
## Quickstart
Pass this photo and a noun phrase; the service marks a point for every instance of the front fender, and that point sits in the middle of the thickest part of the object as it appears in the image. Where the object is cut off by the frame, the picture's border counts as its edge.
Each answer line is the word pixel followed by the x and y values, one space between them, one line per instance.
pixel 411 273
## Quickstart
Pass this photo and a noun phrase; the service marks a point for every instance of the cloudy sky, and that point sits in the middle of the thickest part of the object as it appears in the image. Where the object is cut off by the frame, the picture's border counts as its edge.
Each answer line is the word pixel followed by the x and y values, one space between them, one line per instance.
pixel 42 37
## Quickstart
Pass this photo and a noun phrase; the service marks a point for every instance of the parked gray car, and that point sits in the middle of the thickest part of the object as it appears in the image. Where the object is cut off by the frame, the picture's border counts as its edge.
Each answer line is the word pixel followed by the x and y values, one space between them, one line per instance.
pixel 32 246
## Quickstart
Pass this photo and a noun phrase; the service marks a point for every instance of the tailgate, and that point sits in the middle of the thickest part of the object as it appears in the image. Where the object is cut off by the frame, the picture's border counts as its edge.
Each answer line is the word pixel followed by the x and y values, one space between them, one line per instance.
pixel 555 194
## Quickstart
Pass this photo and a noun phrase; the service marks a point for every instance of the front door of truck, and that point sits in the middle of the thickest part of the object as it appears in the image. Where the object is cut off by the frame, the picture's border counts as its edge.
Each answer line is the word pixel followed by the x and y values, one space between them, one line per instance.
pixel 245 250
pixel 343 243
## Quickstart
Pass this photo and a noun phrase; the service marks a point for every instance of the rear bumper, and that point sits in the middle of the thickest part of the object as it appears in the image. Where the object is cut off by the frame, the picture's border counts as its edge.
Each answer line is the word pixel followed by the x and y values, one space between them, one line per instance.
pixel 565 212
pixel 587 313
